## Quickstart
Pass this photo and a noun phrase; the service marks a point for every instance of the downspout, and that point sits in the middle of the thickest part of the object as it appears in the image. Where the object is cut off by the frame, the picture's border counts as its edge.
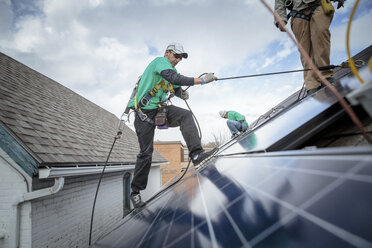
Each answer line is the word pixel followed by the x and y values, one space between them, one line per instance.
pixel 58 185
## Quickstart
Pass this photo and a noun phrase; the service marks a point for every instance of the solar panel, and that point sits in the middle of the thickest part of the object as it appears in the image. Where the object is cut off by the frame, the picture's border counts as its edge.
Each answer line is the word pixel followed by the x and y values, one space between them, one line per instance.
pixel 257 193
pixel 299 120
pixel 260 201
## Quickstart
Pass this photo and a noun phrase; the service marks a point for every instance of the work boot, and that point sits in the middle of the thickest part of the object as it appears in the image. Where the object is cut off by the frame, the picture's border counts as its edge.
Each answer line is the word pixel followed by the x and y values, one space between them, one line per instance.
pixel 234 135
pixel 202 156
pixel 312 91
pixel 136 200
pixel 330 79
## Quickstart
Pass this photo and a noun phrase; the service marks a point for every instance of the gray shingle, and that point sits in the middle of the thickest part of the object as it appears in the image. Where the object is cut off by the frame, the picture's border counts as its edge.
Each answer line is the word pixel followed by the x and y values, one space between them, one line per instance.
pixel 57 124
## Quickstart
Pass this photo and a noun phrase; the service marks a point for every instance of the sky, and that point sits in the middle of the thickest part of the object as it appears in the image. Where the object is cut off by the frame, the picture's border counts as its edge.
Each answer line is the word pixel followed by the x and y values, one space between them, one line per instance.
pixel 98 48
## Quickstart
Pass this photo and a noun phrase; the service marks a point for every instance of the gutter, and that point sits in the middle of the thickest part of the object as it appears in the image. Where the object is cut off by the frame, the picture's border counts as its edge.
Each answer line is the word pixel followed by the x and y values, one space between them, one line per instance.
pixel 14 216
pixel 53 172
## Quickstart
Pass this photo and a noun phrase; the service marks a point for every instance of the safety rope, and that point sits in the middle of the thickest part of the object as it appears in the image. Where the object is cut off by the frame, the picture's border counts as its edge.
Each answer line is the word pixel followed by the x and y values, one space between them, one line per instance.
pixel 125 114
pixel 343 103
pixel 322 68
pixel 351 61
pixel 99 183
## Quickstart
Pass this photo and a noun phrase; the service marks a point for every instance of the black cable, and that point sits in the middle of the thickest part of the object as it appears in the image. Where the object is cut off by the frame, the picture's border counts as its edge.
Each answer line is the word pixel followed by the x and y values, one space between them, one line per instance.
pixel 322 68
pixel 196 120
pixel 299 95
pixel 99 182
pixel 184 172
pixel 169 186
pixel 187 168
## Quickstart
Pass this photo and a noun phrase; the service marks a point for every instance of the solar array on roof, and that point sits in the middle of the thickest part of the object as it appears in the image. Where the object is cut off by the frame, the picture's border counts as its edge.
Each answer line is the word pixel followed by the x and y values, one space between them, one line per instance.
pixel 246 197
pixel 291 200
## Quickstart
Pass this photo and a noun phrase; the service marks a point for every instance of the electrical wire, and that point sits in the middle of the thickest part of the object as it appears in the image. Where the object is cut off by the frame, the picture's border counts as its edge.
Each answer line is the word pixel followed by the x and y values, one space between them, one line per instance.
pixel 188 165
pixel 343 103
pixel 196 120
pixel 184 172
pixel 351 61
pixel 99 182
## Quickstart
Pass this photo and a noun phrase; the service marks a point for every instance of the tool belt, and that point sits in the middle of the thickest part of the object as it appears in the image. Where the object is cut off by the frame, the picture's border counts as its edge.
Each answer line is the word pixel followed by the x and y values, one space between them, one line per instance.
pixel 160 119
pixel 327 7
pixel 145 100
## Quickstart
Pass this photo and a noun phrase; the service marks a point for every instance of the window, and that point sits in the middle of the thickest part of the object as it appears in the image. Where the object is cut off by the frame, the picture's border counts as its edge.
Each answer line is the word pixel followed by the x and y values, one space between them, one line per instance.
pixel 126 192
pixel 185 155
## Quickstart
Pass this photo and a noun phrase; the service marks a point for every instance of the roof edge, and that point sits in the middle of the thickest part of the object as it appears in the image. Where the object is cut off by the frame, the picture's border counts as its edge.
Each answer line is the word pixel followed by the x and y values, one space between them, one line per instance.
pixel 52 172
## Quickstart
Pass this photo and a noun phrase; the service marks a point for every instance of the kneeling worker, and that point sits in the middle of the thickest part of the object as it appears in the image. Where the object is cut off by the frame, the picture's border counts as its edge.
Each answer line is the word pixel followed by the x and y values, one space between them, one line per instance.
pixel 160 78
pixel 236 122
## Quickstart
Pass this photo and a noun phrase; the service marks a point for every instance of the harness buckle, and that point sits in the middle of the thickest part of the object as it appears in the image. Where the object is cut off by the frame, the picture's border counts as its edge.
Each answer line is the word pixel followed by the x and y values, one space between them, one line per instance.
pixel 145 100
pixel 144 117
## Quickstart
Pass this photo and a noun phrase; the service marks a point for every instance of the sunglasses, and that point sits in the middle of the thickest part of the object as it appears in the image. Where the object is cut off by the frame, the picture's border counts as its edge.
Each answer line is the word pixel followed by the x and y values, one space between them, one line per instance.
pixel 178 56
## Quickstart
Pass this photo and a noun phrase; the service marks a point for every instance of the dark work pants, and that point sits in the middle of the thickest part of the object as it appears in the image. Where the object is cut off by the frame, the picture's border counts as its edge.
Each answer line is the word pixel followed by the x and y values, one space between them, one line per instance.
pixel 177 117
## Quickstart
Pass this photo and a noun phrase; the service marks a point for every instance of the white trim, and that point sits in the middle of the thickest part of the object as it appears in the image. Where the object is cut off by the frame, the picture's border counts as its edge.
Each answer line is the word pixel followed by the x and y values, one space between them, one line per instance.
pixel 53 172
pixel 15 216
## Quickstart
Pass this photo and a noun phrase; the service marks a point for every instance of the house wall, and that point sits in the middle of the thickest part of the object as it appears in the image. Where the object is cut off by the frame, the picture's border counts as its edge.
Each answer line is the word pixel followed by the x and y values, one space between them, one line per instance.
pixel 153 184
pixel 63 220
pixel 172 152
pixel 13 183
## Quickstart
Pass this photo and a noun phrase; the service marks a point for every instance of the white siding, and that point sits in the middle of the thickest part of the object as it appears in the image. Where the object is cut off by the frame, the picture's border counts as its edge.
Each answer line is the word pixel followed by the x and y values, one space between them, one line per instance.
pixel 13 185
pixel 154 183
pixel 63 220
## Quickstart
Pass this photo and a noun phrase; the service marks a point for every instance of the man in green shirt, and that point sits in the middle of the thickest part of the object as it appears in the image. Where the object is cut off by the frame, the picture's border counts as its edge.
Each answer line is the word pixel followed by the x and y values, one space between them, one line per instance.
pixel 159 79
pixel 236 122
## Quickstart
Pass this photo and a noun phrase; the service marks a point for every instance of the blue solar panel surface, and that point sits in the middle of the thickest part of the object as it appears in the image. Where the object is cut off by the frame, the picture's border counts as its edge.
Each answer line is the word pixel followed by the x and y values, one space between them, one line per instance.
pixel 250 196
pixel 283 200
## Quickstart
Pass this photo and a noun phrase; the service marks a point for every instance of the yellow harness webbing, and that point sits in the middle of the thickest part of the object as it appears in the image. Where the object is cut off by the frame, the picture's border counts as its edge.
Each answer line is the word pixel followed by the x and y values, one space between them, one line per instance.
pixel 155 90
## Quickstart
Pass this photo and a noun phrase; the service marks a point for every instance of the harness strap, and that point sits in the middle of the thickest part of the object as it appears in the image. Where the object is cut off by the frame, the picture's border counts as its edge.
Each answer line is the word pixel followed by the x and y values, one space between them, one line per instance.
pixel 144 117
pixel 146 99
pixel 295 14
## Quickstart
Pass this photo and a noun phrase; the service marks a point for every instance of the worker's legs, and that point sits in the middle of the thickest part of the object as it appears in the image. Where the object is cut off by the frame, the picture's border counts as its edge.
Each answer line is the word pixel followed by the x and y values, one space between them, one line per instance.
pixel 301 30
pixel 236 126
pixel 145 134
pixel 321 39
pixel 183 118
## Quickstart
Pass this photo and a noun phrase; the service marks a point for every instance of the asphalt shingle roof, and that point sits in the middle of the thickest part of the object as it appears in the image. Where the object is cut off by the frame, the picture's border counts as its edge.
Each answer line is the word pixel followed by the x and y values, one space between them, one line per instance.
pixel 56 124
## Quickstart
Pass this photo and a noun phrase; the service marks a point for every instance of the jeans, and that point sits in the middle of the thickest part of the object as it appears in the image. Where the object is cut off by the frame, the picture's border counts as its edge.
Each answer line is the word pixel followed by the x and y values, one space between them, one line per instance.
pixel 177 117
pixel 236 126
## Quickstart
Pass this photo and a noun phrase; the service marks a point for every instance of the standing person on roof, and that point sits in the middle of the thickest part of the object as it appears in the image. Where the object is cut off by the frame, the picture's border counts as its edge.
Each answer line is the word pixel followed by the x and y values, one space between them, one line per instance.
pixel 310 24
pixel 159 79
pixel 236 122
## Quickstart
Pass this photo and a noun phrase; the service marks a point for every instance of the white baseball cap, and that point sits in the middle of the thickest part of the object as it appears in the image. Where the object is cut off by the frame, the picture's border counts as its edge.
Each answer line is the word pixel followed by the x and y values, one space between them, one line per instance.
pixel 222 113
pixel 177 48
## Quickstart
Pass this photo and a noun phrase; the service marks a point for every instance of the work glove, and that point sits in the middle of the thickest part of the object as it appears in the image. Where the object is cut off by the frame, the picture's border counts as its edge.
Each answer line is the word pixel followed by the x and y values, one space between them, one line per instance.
pixel 207 78
pixel 280 27
pixel 340 3
pixel 184 95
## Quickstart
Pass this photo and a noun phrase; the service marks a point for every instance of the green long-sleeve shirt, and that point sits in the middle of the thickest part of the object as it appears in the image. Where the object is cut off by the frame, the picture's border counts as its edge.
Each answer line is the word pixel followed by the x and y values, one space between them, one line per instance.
pixel 235 116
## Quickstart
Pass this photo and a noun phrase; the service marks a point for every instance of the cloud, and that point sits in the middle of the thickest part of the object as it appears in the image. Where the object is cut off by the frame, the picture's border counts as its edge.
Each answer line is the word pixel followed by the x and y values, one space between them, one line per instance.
pixel 99 48
pixel 360 33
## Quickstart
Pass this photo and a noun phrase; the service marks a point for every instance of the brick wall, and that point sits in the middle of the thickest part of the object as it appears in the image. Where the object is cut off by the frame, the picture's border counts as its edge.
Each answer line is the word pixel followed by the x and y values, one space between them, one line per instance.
pixel 172 152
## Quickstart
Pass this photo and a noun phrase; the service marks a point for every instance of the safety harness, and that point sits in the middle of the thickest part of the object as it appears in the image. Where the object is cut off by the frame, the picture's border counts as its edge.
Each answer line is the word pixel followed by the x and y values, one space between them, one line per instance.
pixel 295 14
pixel 145 100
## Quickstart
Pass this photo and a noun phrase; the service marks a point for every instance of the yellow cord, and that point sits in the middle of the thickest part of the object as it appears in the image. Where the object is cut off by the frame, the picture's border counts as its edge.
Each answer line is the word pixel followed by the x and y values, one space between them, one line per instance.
pixel 351 61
